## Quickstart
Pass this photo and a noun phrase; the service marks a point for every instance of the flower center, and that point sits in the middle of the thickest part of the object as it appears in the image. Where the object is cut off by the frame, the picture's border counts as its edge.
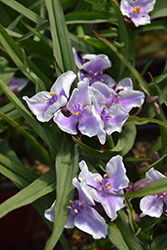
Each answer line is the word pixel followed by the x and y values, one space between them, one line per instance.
pixel 136 9
pixel 103 185
pixel 50 100
pixel 161 196
pixel 95 76
pixel 78 109
pixel 75 206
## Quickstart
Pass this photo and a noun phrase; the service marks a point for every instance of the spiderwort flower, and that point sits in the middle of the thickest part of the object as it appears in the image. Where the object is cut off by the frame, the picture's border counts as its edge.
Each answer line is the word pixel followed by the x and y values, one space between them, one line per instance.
pixel 121 93
pixel 92 67
pixel 153 205
pixel 137 10
pixel 82 215
pixel 82 116
pixel 104 189
pixel 113 116
pixel 44 104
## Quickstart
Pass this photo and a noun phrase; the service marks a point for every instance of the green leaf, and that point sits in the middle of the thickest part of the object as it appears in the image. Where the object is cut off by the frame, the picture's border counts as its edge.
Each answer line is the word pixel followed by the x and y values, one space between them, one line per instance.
pixel 40 187
pixel 66 170
pixel 121 235
pixel 15 171
pixel 124 144
pixel 159 242
pixel 28 117
pixel 134 120
pixel 154 188
pixel 101 16
pixel 159 90
pixel 116 237
pixel 144 239
pixel 41 153
pixel 18 56
pixel 160 9
pixel 61 43
pixel 24 11
pixel 134 72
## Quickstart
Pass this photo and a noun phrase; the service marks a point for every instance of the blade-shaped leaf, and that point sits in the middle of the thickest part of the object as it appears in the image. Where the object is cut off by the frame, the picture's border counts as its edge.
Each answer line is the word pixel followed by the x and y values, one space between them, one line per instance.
pixel 123 230
pixel 40 187
pixel 24 64
pixel 24 11
pixel 27 116
pixel 66 170
pixel 61 42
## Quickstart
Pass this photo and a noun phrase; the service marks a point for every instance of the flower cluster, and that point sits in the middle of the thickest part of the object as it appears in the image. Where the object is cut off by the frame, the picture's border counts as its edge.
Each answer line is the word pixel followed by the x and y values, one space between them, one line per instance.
pixel 97 107
pixel 93 187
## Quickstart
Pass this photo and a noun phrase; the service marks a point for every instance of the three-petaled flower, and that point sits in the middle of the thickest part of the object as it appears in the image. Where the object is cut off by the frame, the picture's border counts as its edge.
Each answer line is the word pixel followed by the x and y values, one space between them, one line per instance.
pixel 44 104
pixel 106 190
pixel 82 215
pixel 137 10
pixel 91 66
pixel 81 117
pixel 153 205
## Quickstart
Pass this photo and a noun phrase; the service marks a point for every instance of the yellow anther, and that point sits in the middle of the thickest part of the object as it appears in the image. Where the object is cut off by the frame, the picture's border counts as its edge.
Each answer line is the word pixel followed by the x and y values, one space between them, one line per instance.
pixel 111 95
pixel 109 100
pixel 69 207
pixel 105 175
pixel 97 180
pixel 76 211
pixel 104 107
pixel 99 114
pixel 120 103
pixel 52 93
pixel 101 72
pixel 113 103
pixel 164 193
pixel 83 60
pixel 47 100
pixel 77 113
pixel 90 78
pixel 71 201
pixel 95 74
pixel 116 94
pixel 108 188
pixel 156 195
pixel 110 116
pixel 161 196
pixel 79 103
pixel 72 105
pixel 102 80
pixel 86 107
pixel 118 97
pixel 136 9
pixel 100 188
pixel 90 71
pixel 107 184
pixel 44 99
pixel 80 204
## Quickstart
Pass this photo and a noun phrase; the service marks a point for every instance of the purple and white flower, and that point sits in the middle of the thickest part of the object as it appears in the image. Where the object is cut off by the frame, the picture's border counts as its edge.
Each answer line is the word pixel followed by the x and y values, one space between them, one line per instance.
pixel 81 117
pixel 153 205
pixel 82 215
pixel 44 104
pixel 105 189
pixel 121 93
pixel 137 10
pixel 92 67
pixel 112 115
